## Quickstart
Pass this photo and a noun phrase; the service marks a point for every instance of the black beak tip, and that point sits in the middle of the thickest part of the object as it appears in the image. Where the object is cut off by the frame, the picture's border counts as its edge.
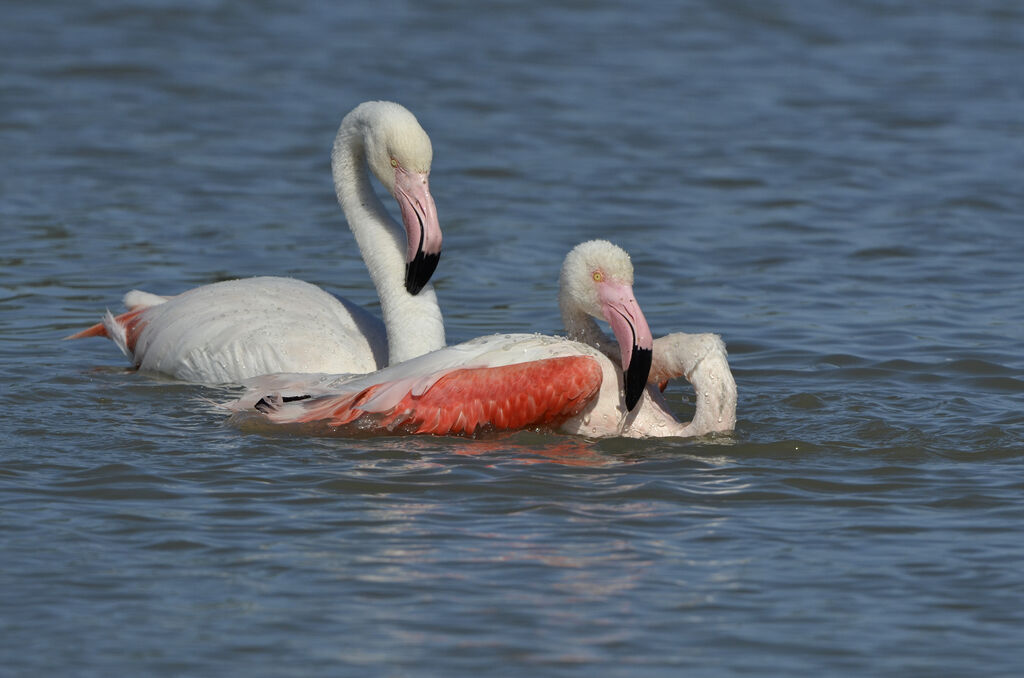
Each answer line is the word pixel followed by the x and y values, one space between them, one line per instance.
pixel 636 375
pixel 419 270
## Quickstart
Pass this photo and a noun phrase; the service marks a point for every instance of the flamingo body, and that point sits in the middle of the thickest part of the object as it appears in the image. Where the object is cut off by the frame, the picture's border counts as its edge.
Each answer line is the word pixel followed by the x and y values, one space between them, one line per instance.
pixel 494 383
pixel 230 331
pixel 466 401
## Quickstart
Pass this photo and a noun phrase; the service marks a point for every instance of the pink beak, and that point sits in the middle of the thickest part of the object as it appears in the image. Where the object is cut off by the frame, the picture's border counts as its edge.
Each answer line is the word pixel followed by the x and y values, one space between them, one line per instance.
pixel 636 344
pixel 422 230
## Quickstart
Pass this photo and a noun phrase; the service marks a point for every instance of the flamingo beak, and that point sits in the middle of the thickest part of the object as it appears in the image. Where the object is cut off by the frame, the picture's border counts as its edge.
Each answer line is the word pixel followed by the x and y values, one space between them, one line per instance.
pixel 636 344
pixel 422 230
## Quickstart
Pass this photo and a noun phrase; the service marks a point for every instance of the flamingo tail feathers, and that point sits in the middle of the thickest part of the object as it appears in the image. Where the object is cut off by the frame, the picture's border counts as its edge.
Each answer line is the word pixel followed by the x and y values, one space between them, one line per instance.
pixel 123 329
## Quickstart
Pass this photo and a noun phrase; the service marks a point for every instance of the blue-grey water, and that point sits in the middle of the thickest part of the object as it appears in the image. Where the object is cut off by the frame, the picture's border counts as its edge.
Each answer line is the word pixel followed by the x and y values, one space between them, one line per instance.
pixel 834 187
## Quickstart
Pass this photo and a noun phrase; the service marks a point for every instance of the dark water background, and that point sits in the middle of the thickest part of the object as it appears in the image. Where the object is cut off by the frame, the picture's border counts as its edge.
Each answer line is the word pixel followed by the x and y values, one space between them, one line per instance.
pixel 835 187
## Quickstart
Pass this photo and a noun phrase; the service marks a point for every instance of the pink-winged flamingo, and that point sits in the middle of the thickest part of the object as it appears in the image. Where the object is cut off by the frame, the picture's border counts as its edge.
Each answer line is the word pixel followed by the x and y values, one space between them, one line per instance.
pixel 594 387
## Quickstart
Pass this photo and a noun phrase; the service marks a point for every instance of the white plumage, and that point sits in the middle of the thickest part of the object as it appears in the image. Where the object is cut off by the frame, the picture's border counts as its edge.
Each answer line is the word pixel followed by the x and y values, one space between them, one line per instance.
pixel 234 330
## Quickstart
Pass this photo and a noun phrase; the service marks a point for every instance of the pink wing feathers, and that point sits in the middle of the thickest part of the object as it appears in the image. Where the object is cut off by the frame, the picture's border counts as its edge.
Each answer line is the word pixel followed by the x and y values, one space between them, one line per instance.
pixel 464 401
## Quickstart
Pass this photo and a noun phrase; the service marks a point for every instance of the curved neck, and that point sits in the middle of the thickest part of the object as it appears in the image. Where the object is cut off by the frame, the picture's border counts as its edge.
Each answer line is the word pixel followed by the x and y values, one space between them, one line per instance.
pixel 413 322
pixel 703 361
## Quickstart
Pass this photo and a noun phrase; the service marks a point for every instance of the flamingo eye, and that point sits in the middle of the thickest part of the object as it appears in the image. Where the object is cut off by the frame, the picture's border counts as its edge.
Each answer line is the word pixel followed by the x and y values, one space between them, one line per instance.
pixel 394 163
pixel 598 276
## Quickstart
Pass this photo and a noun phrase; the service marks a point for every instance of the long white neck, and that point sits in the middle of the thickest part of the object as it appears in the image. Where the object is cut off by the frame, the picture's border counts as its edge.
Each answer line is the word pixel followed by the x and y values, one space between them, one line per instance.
pixel 703 361
pixel 413 322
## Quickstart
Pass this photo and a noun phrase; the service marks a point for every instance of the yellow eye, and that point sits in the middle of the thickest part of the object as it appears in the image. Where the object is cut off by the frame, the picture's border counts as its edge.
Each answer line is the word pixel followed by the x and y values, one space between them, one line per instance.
pixel 598 276
pixel 394 163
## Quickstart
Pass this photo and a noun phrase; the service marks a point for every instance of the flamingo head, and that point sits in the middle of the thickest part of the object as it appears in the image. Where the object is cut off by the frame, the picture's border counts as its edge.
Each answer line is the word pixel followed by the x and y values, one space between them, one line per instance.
pixel 399 154
pixel 597 278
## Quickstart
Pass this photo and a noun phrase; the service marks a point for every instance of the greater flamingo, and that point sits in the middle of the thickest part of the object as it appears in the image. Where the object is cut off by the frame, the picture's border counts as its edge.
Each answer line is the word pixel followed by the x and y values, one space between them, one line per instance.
pixel 515 381
pixel 230 331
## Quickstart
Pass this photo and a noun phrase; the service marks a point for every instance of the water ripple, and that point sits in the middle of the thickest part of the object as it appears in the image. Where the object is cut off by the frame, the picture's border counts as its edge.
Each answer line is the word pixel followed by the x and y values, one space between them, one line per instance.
pixel 846 226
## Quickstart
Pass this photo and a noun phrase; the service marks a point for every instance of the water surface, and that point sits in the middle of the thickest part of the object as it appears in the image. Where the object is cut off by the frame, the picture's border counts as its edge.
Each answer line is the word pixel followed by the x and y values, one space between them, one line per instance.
pixel 834 189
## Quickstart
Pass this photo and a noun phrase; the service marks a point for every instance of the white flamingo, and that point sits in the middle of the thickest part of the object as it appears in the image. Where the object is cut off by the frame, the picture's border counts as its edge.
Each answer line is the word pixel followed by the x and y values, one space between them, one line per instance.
pixel 230 331
pixel 515 381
